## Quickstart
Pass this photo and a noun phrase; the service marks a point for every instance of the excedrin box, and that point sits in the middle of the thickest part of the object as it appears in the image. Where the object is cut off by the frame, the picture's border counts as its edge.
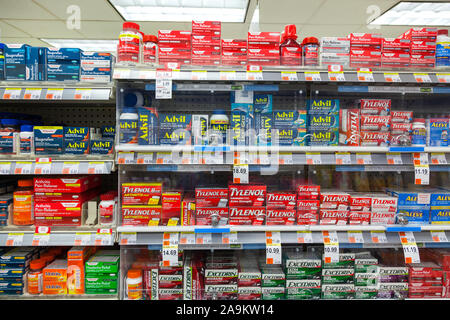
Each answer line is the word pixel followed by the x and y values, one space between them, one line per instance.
pixel 249 293
pixel 303 289
pixel 211 197
pixel 338 291
pixel 247 215
pixel 322 106
pixel 250 195
pixel 141 215
pixel 148 126
pixel 272 277
pixel 364 292
pixel 66 185
pixel 172 281
pixel 221 276
pixel 346 261
pixel 366 265
pixel 393 274
pixel 249 277
pixel 174 128
pixel 302 266
pixel 221 292
pixel 392 290
pixel 281 216
pixel 338 276
pixel 281 200
pixel 206 216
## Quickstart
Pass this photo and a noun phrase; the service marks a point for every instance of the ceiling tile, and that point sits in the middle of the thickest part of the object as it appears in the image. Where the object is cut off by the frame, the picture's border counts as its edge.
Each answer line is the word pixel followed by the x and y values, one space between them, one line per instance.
pixel 45 29
pixel 7 30
pixel 100 29
pixel 96 10
pixel 23 9
pixel 287 11
pixel 31 41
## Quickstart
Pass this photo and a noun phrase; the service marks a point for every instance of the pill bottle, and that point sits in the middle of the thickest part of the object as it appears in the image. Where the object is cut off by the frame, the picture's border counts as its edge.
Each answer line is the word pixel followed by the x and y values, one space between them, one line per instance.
pixel 419 132
pixel 290 49
pixel 219 124
pixel 310 51
pixel 35 276
pixel 150 49
pixel 128 121
pixel 130 44
pixel 47 258
pixel 106 208
pixel 9 133
pixel 134 284
pixel 442 48
pixel 23 203
pixel 26 139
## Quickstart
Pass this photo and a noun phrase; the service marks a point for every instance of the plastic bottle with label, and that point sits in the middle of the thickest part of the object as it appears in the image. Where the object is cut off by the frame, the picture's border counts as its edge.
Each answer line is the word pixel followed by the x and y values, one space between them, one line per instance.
pixel 150 49
pixel 130 44
pixel 106 208
pixel 23 203
pixel 442 48
pixel 290 50
pixel 26 139
pixel 219 124
pixel 35 276
pixel 134 284
pixel 310 51
pixel 419 133
pixel 128 121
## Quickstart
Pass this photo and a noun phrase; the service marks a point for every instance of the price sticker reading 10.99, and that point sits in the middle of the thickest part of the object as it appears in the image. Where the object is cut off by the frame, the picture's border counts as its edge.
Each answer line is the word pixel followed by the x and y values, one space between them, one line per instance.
pixel 331 246
pixel 273 247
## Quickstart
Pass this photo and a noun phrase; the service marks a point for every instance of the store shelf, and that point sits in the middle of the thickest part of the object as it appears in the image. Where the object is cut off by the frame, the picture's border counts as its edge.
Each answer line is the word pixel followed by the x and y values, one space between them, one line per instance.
pixel 59 236
pixel 48 91
pixel 276 74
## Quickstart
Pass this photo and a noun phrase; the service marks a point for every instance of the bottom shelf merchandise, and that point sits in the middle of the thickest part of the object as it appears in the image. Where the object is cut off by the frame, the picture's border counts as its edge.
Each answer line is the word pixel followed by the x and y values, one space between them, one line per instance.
pixel 303 274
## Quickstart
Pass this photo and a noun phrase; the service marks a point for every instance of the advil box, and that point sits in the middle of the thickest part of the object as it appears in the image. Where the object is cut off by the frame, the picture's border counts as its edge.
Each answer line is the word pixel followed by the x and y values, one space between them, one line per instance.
pixel 323 106
pixel 247 216
pixel 281 200
pixel 174 128
pixel 141 215
pixel 204 216
pixel 141 193
pixel 211 197
pixel 247 195
pixel 281 217
pixel 76 134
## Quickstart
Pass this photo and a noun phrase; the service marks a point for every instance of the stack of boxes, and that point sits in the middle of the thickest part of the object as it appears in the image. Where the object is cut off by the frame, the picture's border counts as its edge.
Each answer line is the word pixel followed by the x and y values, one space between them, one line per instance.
pixel 234 52
pixel 221 277
pixel 174 128
pixel 55 278
pixel 281 208
pixel 291 126
pixel 366 276
pixel 76 140
pixel 96 66
pixel 273 282
pixel 401 127
pixel 14 264
pixel 211 204
pixel 141 204
pixel 375 122
pixel 338 277
pixel 249 278
pixel 323 122
pixel 170 282
pixel 308 204
pixel 102 272
pixel 359 207
pixel 440 206
pixel 63 64
pixel 247 204
pixel 425 281
pixel 442 258
pixel 263 48
pixel 365 50
pixel 414 206
pixel 174 46
pixel 63 202
pixel 303 275
pixel 393 276
pixel 76 259
pixel 395 53
pixel 423 46
pixel 334 207
pixel 206 42
pixel 383 209
pixel 335 51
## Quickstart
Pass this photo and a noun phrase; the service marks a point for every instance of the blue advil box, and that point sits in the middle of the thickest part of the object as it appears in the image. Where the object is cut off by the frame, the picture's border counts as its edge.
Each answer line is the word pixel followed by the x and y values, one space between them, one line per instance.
pixel 105 146
pixel 174 128
pixel 241 122
pixel 320 122
pixel 440 206
pixel 76 147
pixel 76 134
pixel 323 138
pixel 289 119
pixel 262 107
pixel 322 106
pixel 148 126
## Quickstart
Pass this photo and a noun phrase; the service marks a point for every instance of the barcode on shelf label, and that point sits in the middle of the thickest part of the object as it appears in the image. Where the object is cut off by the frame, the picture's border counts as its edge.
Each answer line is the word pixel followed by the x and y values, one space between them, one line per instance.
pixel 23 167
pixel 438 158
pixel 203 238
pixel 392 77
pixel 41 236
pixel 355 237
pixel 199 75
pixel 12 93
pixel 240 173
pixel 187 238
pixel 83 94
pixel 364 158
pixel 54 94
pixel 312 75
pixel 164 158
pixel 14 239
pixel 420 158
pixel 144 158
pixel 227 75
pixel 82 238
pixel 254 75
pixel 422 77
pixel 422 174
pixel 336 72
pixel 229 237
pixel 378 236
pixel 331 246
pixel 273 247
pixel 313 158
pixel 439 236
pixel 71 167
pixel 128 238
pixel 410 250
pixel 97 167
pixel 304 237
pixel 289 76
pixel 125 158
pixel 343 158
pixel 43 166
pixel 103 237
pixel 5 167
pixel 32 93
pixel 365 74
pixel 285 158
pixel 394 158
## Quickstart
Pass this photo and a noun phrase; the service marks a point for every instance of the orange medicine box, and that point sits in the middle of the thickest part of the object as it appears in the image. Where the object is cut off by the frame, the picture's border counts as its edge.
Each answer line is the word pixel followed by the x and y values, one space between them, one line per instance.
pixel 76 258
pixel 54 287
pixel 56 271
pixel 141 193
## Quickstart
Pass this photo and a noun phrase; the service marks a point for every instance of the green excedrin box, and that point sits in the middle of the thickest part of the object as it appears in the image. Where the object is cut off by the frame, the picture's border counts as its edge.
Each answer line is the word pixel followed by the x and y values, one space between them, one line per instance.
pixel 303 289
pixel 273 293
pixel 101 291
pixel 100 281
pixel 366 292
pixel 366 265
pixel 338 291
pixel 338 276
pixel 346 260
pixel 366 279
pixel 102 264
pixel 302 266
pixel 273 277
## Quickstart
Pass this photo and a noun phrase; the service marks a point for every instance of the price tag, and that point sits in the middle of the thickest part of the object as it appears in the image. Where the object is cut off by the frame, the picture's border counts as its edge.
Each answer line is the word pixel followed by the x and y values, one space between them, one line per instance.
pixel 439 236
pixel 273 247
pixel 176 74
pixel 261 158
pixel 289 76
pixel 163 84
pixel 240 173
pixel 331 246
pixel 422 77
pixel 438 158
pixel 97 167
pixel 365 74
pixel 209 157
pixel 187 238
pixel 378 236
pixel 336 73
pixel 128 238
pixel 144 158
pixel 125 158
pixel 312 75
pixel 313 158
pixel 343 158
pixel 186 157
pixel 392 77
pixel 285 158
pixel 443 77
pixel 71 167
pixel 394 158
pixel 83 94
pixel 229 237
pixel 147 74
pixel 227 75
pixel 5 167
pixel 12 93
pixel 304 237
pixel 203 238
pixel 43 166
pixel 364 158
pixel 410 249
pixel 199 75
pixel 14 239
pixel 254 75
pixel 32 93
pixel 23 167
pixel 240 158
pixel 420 158
pixel 54 94
pixel 121 73
pixel 355 237
pixel 82 239
pixel 422 174
pixel 172 65
pixel 423 198
pixel 103 237
pixel 170 249
pixel 164 158
pixel 170 238
pixel 41 236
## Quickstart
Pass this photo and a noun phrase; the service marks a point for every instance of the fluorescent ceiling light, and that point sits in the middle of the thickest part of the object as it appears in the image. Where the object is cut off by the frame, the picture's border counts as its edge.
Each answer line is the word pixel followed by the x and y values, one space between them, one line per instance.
pixel 182 10
pixel 85 45
pixel 416 14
